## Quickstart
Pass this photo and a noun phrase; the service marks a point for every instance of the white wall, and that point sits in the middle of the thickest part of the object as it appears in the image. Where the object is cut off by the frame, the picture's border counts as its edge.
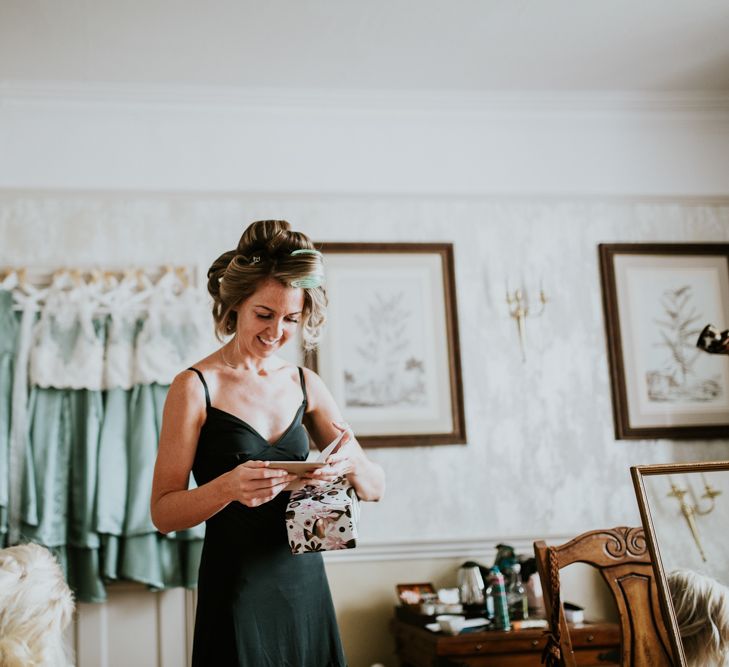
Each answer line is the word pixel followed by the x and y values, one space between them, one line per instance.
pixel 183 139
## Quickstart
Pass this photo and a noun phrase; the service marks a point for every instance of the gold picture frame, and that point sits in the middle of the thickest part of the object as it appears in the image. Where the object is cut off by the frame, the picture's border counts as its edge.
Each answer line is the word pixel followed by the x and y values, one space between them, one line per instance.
pixel 670 535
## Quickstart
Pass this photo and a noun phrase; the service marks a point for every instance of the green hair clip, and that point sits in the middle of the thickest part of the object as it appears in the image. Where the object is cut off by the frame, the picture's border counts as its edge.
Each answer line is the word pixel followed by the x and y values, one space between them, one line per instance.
pixel 307 281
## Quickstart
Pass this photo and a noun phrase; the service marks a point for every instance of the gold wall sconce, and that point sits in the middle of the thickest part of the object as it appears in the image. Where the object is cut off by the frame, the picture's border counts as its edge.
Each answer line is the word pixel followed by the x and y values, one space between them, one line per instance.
pixel 690 512
pixel 521 309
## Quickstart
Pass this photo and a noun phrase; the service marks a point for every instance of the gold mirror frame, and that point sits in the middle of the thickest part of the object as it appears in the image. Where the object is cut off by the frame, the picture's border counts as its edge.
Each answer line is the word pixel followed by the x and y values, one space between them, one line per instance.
pixel 638 473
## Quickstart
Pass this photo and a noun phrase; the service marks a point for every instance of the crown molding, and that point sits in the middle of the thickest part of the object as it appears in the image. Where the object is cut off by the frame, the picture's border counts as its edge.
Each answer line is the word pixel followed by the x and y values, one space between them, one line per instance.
pixel 117 94
pixel 246 196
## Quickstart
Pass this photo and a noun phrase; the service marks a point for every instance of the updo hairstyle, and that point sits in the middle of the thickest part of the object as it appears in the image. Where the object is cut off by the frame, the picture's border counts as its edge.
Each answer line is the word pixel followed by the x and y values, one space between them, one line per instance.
pixel 264 252
pixel 36 606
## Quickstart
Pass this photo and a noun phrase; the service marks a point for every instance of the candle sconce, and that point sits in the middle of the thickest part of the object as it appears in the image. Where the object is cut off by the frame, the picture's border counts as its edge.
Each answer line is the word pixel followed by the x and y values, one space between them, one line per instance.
pixel 691 511
pixel 520 310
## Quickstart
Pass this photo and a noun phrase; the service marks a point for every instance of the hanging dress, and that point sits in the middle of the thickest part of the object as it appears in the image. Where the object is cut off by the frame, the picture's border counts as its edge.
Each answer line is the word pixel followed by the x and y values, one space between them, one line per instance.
pixel 125 303
pixel 8 341
pixel 258 604
pixel 27 298
pixel 65 416
pixel 143 356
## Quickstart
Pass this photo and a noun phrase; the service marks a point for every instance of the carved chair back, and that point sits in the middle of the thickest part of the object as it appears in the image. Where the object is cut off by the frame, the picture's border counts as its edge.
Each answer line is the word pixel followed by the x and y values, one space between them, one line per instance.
pixel 622 558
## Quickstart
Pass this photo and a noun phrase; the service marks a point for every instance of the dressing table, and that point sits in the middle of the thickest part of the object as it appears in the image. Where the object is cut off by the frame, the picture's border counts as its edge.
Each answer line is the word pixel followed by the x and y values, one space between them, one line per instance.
pixel 416 646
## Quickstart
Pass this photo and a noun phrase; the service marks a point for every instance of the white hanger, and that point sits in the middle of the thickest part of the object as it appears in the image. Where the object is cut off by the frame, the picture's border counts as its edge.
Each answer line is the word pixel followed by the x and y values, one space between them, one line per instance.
pixel 10 281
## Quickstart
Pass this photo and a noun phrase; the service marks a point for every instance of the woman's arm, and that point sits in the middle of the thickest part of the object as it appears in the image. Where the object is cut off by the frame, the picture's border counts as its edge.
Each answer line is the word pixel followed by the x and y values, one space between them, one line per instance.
pixel 324 422
pixel 173 506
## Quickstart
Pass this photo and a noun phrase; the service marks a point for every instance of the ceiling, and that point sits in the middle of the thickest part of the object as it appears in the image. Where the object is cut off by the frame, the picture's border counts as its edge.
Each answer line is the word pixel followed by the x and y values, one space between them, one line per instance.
pixel 437 45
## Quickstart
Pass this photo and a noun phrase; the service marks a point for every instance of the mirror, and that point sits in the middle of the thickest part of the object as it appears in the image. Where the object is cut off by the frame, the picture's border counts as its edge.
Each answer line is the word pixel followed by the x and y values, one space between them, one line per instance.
pixel 685 512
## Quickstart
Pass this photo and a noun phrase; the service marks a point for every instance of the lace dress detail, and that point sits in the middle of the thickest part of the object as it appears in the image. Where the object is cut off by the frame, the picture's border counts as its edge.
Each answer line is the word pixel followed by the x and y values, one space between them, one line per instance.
pixel 176 332
pixel 124 303
pixel 67 351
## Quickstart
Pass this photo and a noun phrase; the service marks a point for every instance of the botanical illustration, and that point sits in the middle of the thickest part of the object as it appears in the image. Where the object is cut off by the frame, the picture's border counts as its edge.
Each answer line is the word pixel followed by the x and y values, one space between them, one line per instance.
pixel 678 328
pixel 384 371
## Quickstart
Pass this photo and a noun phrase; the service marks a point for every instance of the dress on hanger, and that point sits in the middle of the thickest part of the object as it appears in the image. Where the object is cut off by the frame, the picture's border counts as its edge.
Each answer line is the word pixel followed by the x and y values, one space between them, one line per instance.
pixel 67 351
pixel 125 303
pixel 8 341
pixel 27 298
pixel 176 331
pixel 66 412
pixel 131 546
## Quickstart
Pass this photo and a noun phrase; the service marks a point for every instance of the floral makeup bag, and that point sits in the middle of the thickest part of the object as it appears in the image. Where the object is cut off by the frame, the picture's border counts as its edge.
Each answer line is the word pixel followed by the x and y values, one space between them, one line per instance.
pixel 323 518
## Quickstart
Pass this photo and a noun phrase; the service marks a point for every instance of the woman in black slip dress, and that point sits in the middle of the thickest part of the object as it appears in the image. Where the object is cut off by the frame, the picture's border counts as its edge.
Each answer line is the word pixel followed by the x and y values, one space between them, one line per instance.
pixel 226 419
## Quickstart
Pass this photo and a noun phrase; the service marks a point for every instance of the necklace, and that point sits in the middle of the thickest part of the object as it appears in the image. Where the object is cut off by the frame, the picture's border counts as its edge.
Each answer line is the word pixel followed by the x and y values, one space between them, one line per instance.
pixel 222 354
pixel 261 371
pixel 225 361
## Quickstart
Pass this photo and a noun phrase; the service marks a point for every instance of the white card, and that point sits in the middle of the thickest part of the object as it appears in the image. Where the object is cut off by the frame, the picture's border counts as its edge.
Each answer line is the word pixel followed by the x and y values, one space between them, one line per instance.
pixel 329 449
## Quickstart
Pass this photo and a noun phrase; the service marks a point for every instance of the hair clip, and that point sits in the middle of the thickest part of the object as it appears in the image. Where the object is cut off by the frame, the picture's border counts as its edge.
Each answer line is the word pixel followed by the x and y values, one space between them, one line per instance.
pixel 306 251
pixel 255 259
pixel 307 282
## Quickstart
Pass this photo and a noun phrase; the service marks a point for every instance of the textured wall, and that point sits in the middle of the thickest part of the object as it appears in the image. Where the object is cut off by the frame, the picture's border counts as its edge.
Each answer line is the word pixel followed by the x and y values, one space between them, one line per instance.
pixel 541 458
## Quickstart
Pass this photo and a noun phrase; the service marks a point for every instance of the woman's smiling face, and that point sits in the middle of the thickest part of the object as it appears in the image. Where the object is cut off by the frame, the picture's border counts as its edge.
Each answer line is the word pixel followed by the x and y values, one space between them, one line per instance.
pixel 269 318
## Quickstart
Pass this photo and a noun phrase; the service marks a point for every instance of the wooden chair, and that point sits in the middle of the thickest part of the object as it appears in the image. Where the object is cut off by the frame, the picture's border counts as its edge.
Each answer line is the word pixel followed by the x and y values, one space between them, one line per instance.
pixel 622 557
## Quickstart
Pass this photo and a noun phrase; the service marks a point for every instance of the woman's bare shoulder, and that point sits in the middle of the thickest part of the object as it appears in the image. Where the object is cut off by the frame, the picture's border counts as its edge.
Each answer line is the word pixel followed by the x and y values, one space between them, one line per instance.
pixel 186 388
pixel 310 376
pixel 187 385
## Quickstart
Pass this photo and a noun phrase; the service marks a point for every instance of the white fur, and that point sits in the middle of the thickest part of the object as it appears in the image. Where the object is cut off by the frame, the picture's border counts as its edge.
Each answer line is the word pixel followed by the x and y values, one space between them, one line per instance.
pixel 702 611
pixel 36 605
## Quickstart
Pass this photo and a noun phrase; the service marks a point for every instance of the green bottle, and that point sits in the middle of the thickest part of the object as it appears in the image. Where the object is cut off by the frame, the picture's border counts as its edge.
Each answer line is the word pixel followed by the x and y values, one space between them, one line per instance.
pixel 501 607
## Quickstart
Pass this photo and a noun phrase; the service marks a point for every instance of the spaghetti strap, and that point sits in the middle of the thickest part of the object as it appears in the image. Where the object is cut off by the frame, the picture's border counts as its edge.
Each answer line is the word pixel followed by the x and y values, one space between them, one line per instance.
pixel 303 384
pixel 205 384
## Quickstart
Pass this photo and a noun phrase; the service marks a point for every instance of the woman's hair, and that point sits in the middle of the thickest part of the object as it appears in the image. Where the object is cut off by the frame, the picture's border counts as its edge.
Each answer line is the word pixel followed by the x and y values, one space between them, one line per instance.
pixel 36 605
pixel 702 612
pixel 264 252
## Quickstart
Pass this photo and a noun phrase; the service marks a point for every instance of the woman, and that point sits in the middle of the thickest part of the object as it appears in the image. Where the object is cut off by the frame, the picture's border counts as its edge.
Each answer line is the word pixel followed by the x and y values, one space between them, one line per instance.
pixel 227 419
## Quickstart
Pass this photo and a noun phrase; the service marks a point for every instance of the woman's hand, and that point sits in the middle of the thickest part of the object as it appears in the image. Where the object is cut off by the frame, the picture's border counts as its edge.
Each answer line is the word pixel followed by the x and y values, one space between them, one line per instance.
pixel 338 464
pixel 321 419
pixel 253 483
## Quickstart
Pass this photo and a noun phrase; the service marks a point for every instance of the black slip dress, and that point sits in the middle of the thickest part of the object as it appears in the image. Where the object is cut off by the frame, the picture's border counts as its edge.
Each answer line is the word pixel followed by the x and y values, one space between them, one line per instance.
pixel 258 605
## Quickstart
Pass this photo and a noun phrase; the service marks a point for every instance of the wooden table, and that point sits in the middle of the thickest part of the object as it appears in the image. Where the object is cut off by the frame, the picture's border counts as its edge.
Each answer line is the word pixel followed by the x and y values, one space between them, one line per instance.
pixel 594 644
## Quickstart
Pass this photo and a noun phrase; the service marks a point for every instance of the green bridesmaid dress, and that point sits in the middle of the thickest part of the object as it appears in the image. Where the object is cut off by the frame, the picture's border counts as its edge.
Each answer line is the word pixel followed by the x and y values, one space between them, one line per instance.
pixel 8 341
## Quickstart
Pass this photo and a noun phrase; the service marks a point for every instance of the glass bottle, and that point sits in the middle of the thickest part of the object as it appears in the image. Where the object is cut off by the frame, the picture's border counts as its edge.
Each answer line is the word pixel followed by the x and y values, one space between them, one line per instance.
pixel 516 595
pixel 488 596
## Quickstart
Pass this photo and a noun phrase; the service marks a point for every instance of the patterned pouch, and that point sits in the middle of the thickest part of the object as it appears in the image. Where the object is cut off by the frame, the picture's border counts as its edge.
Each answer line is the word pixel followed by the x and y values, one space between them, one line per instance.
pixel 323 518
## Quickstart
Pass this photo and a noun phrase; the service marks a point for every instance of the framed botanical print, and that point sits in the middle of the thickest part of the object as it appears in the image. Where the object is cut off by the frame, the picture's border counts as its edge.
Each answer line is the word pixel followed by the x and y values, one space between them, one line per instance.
pixel 657 298
pixel 390 352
